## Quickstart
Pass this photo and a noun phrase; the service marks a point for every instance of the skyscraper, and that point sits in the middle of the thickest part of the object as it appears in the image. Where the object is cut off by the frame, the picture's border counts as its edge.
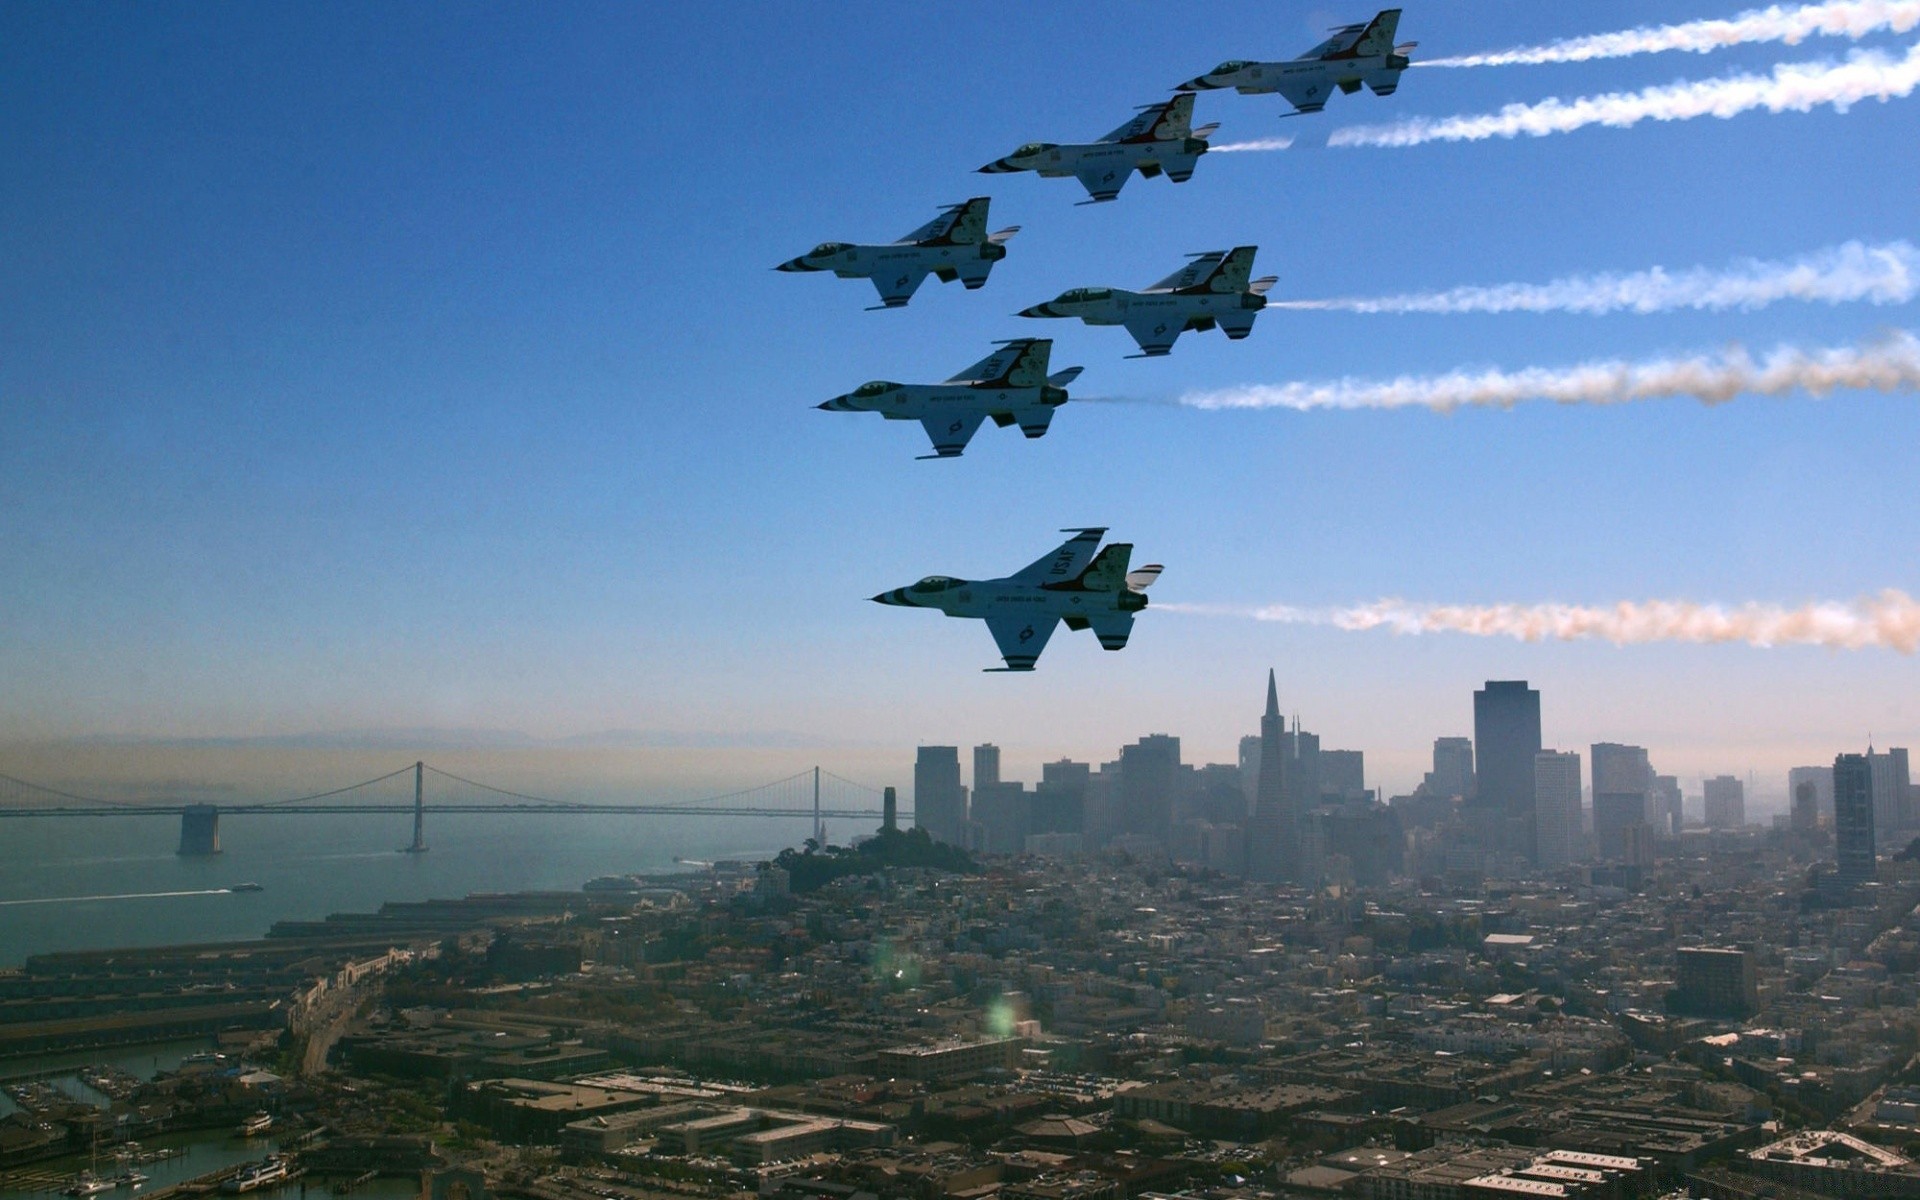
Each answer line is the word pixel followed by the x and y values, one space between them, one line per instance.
pixel 1664 804
pixel 1822 780
pixel 1804 814
pixel 939 802
pixel 1506 736
pixel 1853 819
pixel 1149 773
pixel 1622 781
pixel 986 765
pixel 1452 773
pixel 1889 789
pixel 1725 799
pixel 1271 830
pixel 1556 806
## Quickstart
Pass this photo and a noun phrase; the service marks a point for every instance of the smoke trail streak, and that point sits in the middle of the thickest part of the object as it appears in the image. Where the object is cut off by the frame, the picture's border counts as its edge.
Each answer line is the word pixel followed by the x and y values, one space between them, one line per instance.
pixel 1890 364
pixel 1885 274
pixel 1800 87
pixel 1272 143
pixel 1837 18
pixel 1889 620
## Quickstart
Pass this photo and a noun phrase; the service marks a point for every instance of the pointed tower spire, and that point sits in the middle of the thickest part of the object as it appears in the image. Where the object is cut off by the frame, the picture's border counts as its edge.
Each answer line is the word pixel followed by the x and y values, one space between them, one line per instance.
pixel 1273 695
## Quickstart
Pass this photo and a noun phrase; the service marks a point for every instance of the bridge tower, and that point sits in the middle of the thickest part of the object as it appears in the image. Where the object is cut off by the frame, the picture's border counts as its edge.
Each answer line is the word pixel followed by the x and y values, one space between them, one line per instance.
pixel 199 830
pixel 890 812
pixel 819 830
pixel 419 845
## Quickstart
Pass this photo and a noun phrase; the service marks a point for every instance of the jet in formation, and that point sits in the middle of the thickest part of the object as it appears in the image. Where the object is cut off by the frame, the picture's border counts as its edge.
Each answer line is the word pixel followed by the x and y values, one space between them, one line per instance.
pixel 1212 289
pixel 1160 139
pixel 1011 385
pixel 1354 55
pixel 954 245
pixel 1070 584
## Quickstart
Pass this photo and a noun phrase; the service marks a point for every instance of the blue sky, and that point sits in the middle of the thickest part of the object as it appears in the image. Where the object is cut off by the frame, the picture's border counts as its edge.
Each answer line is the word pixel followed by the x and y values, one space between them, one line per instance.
pixel 370 366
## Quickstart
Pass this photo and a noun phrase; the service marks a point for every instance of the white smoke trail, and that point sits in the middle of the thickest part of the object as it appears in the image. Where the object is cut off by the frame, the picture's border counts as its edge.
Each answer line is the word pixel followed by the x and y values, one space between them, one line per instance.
pixel 1890 364
pixel 1884 274
pixel 1889 620
pixel 1776 23
pixel 1800 87
pixel 1272 143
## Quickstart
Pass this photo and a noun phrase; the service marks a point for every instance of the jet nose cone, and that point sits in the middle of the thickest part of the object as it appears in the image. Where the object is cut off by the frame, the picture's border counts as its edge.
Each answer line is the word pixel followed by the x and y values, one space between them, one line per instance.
pixel 1038 310
pixel 1197 84
pixel 793 264
pixel 887 598
pixel 998 166
pixel 837 404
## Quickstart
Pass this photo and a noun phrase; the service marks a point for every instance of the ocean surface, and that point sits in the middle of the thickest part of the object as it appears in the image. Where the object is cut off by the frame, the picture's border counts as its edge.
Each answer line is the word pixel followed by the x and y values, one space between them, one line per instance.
pixel 78 883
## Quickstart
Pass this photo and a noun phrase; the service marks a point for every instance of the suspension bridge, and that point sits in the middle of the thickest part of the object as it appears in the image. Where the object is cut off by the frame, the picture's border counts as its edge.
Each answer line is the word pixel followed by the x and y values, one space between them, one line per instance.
pixel 815 793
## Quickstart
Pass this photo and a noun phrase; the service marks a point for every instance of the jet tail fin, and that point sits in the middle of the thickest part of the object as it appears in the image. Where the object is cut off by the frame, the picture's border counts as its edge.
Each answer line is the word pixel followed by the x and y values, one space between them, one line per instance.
pixel 1001 237
pixel 1377 37
pixel 1108 570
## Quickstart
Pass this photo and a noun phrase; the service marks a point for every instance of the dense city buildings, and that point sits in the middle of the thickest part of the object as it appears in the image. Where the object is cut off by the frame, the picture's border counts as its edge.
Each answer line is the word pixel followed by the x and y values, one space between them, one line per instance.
pixel 1081 989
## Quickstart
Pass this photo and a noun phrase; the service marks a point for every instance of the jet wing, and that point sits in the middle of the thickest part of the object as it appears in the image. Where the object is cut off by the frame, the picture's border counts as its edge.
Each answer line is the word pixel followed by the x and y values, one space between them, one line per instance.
pixel 1103 182
pixel 1309 94
pixel 1021 639
pixel 1112 628
pixel 898 287
pixel 1155 334
pixel 1065 563
pixel 950 435
pixel 1019 363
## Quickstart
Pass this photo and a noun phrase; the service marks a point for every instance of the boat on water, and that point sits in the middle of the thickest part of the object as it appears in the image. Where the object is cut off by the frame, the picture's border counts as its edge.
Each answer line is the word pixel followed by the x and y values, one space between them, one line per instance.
pixel 88 1184
pixel 256 1124
pixel 132 1179
pixel 258 1175
pixel 249 886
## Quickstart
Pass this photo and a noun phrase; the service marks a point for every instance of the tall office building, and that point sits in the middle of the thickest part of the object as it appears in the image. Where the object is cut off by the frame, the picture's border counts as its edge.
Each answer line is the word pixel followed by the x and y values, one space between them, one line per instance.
pixel 1250 767
pixel 1803 812
pixel 1506 737
pixel 1822 780
pixel 1343 774
pixel 986 766
pixel 1556 807
pixel 1664 805
pixel 1889 790
pixel 1149 778
pixel 1853 819
pixel 1725 799
pixel 1272 830
pixel 1060 802
pixel 1303 783
pixel 1622 781
pixel 939 802
pixel 1452 773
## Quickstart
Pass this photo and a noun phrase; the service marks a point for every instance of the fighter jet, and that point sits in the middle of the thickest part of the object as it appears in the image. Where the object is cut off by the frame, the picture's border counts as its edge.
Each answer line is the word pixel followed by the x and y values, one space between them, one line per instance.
pixel 1161 138
pixel 1070 585
pixel 1210 290
pixel 1354 55
pixel 1010 385
pixel 954 245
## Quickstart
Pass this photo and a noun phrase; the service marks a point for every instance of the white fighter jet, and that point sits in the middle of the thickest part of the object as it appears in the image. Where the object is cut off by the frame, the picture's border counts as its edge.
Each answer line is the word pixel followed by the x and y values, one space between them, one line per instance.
pixel 1011 385
pixel 1212 289
pixel 1354 55
pixel 1070 585
pixel 954 245
pixel 1161 138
